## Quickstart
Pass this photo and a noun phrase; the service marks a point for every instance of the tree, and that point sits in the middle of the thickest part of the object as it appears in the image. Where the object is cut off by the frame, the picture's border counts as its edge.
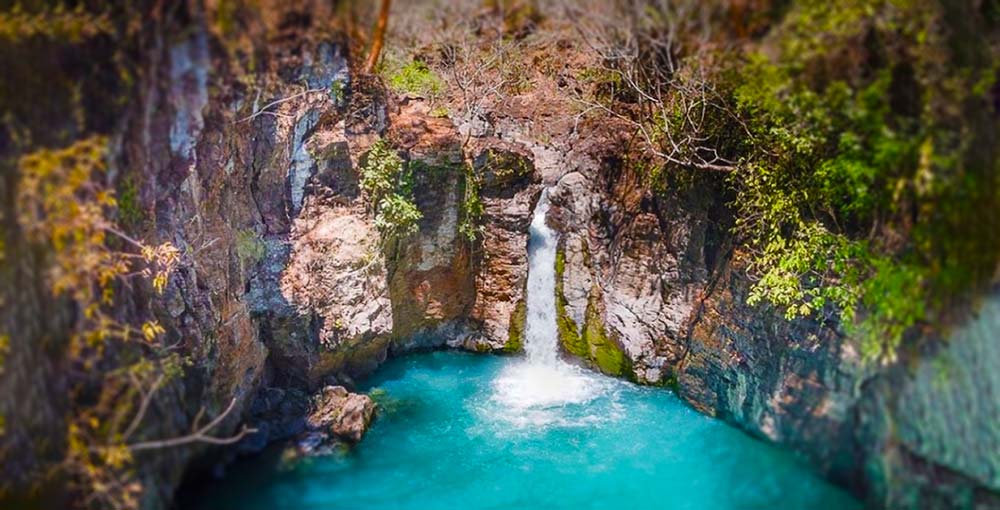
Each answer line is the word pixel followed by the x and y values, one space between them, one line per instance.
pixel 378 39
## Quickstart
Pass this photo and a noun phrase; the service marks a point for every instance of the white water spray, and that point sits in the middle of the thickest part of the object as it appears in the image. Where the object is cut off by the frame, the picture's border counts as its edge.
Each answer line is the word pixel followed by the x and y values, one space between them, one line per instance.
pixel 540 389
pixel 541 333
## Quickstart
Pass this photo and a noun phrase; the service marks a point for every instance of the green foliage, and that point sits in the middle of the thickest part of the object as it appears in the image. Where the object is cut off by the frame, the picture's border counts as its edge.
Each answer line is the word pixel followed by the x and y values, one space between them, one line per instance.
pixel 388 183
pixel 397 217
pixel 337 92
pixel 250 248
pixel 840 158
pixel 57 22
pixel 414 77
pixel 470 225
pixel 381 171
pixel 130 214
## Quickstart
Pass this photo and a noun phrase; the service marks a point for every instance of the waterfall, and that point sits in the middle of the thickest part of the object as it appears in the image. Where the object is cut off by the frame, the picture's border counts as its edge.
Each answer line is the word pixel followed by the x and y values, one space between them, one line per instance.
pixel 543 389
pixel 541 333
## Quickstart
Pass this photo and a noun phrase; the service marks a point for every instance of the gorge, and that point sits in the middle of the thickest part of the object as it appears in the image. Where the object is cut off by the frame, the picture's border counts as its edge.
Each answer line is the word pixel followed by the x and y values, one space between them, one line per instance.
pixel 458 430
pixel 546 254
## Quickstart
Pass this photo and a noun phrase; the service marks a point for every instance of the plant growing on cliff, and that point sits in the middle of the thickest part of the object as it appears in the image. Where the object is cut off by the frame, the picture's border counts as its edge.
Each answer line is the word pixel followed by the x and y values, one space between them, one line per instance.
pixel 835 174
pixel 381 171
pixel 130 213
pixel 397 217
pixel 853 197
pixel 66 211
pixel 250 248
pixel 414 77
pixel 386 180
pixel 470 225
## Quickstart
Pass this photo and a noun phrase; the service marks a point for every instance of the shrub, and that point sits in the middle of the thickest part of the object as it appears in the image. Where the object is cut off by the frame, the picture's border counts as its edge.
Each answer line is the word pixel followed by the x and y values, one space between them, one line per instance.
pixel 397 217
pixel 67 213
pixel 840 158
pixel 416 78
pixel 386 179
pixel 381 171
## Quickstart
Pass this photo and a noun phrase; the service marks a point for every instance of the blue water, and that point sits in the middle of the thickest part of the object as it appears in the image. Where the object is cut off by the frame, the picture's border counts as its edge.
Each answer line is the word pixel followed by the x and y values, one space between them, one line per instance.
pixel 449 436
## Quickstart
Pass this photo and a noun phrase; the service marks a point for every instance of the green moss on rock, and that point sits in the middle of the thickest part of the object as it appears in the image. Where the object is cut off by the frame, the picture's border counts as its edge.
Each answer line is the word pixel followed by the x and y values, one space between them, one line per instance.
pixel 569 334
pixel 515 333
pixel 604 352
pixel 593 345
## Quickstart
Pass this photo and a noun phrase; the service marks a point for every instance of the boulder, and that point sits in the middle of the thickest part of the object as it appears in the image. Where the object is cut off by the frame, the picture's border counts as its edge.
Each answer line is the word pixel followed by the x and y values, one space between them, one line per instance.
pixel 341 414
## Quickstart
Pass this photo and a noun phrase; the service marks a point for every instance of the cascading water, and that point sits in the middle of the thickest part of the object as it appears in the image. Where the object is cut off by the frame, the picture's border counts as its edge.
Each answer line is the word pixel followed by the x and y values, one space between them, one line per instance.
pixel 541 333
pixel 468 431
pixel 542 389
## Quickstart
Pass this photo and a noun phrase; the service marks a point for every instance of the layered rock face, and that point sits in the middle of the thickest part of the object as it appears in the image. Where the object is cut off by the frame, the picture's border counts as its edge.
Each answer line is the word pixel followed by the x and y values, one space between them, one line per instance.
pixel 509 191
pixel 247 158
pixel 649 289
pixel 286 290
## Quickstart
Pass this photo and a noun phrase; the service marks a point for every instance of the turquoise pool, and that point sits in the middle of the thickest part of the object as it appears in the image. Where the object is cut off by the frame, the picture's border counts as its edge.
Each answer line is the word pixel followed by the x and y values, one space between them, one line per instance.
pixel 456 433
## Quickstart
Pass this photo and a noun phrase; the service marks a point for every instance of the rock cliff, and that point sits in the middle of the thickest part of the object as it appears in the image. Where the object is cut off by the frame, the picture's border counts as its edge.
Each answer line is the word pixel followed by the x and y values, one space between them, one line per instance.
pixel 248 157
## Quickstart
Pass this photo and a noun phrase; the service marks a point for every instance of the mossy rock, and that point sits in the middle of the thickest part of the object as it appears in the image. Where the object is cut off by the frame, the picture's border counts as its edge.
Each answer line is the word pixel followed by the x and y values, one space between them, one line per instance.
pixel 569 333
pixel 515 332
pixel 593 345
pixel 604 352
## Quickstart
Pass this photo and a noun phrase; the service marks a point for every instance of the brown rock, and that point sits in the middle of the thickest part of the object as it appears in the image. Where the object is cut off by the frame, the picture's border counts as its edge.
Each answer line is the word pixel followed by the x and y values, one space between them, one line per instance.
pixel 341 413
pixel 430 273
pixel 509 193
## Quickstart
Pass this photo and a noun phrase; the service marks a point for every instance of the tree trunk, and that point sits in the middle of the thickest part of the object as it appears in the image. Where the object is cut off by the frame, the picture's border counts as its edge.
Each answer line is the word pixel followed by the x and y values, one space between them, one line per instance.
pixel 378 39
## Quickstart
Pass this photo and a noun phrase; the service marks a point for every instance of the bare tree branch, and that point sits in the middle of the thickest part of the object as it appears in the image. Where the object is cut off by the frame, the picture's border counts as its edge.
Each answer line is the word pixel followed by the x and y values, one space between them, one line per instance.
pixel 264 109
pixel 147 397
pixel 199 435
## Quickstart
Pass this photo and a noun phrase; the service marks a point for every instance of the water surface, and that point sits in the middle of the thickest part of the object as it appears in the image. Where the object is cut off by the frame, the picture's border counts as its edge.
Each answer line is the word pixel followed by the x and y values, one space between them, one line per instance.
pixel 445 441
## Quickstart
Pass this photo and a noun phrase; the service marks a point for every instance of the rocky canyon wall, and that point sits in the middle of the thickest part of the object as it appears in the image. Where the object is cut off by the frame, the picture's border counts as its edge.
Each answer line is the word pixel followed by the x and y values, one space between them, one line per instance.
pixel 244 151
pixel 651 289
pixel 247 156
